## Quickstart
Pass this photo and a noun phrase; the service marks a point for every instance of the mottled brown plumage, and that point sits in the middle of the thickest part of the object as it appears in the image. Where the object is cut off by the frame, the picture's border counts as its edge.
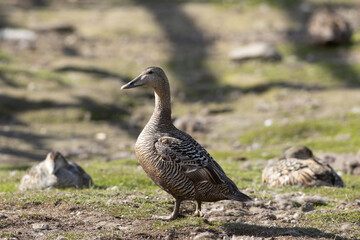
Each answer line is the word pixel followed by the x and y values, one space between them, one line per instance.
pixel 55 171
pixel 298 166
pixel 172 158
pixel 326 27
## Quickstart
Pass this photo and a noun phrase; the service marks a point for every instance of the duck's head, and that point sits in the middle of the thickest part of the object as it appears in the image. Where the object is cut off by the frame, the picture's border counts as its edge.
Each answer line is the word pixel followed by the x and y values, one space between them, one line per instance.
pixel 299 152
pixel 54 161
pixel 153 77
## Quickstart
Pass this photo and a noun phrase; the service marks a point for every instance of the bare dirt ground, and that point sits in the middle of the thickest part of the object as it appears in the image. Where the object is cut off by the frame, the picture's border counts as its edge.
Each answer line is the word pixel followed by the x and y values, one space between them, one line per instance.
pixel 272 219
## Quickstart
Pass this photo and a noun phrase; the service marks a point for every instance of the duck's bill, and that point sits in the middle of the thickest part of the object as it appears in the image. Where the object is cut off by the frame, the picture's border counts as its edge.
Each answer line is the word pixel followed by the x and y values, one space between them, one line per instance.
pixel 132 84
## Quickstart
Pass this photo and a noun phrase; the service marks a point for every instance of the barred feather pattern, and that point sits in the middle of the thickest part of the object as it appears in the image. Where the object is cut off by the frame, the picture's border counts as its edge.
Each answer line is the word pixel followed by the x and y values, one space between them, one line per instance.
pixel 181 166
pixel 310 171
pixel 172 158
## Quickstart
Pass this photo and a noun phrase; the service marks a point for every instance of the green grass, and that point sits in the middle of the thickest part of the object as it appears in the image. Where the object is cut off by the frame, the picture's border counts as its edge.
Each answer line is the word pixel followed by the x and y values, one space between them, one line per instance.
pixel 318 134
pixel 138 197
pixel 321 220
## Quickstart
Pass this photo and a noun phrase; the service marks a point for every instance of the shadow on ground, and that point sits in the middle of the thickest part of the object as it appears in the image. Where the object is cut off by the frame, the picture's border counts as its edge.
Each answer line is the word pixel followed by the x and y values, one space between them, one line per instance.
pixel 96 72
pixel 240 229
pixel 331 58
pixel 190 49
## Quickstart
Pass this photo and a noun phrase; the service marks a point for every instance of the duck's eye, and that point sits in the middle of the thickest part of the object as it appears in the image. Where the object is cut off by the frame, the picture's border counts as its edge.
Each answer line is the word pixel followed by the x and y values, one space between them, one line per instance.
pixel 150 72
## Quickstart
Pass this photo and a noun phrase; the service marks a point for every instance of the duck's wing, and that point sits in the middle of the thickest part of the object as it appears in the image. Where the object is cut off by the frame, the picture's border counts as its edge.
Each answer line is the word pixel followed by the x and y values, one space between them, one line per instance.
pixel 195 161
pixel 324 173
pixel 305 172
pixel 289 171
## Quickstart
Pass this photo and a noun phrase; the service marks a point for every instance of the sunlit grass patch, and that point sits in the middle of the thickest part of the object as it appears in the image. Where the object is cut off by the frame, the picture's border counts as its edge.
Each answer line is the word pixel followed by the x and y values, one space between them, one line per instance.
pixel 126 174
pixel 321 220
pixel 10 177
pixel 318 134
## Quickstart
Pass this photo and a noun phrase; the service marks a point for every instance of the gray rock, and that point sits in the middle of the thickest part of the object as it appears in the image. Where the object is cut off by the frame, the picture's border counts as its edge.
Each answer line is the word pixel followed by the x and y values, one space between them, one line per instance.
pixel 315 200
pixel 204 235
pixel 234 212
pixel 191 124
pixel 297 216
pixel 234 237
pixel 270 216
pixel 346 226
pixel 12 34
pixel 260 50
pixel 114 188
pixel 307 207
pixel 61 238
pixel 40 226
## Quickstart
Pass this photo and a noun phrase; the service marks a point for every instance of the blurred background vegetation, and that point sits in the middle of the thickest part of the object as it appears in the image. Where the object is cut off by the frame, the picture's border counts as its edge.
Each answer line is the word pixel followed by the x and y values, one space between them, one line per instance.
pixel 59 82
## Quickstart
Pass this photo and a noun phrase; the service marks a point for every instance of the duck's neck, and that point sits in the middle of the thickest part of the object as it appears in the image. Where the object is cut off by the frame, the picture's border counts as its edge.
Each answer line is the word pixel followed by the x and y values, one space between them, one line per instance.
pixel 161 116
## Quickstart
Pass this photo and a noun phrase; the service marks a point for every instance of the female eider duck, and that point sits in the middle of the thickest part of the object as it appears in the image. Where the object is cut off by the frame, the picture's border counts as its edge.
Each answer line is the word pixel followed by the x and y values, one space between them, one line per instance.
pixel 298 166
pixel 173 159
pixel 55 171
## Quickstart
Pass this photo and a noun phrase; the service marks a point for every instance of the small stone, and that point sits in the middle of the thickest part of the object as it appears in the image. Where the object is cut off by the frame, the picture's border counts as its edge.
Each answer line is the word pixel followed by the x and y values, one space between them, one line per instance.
pixel 204 235
pixel 61 238
pixel 355 110
pixel 270 216
pixel 191 124
pixel 286 220
pixel 260 50
pixel 101 136
pixel 40 226
pixel 346 226
pixel 297 216
pixel 268 122
pixel 13 34
pixel 114 188
pixel 307 207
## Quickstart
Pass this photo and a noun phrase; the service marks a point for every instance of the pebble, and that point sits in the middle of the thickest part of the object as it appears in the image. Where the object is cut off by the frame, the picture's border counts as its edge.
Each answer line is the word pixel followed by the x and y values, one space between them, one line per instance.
pixel 346 226
pixel 100 136
pixel 307 207
pixel 61 238
pixel 40 226
pixel 297 216
pixel 270 216
pixel 260 50
pixel 114 188
pixel 204 235
pixel 13 34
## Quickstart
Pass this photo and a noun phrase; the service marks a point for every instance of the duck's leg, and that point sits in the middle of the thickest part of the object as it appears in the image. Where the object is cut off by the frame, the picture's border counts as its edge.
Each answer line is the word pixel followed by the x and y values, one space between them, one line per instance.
pixel 198 212
pixel 173 215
